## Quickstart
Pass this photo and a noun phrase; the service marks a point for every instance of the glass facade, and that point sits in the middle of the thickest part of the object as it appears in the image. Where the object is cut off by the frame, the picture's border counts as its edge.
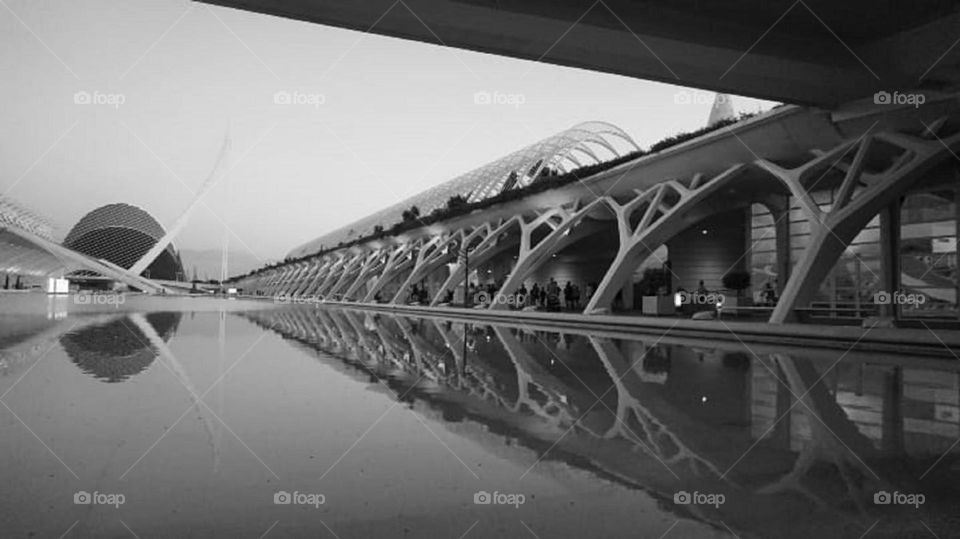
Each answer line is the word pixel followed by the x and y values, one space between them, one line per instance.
pixel 928 253
pixel 849 288
pixel 928 285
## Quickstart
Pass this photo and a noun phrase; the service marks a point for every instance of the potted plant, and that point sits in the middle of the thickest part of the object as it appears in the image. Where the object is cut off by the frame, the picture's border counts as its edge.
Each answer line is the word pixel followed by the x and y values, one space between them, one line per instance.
pixel 737 280
pixel 653 285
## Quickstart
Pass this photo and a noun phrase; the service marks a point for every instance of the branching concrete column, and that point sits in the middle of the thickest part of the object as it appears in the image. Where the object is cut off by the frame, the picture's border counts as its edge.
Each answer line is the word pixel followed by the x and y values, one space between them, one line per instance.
pixel 350 274
pixel 324 276
pixel 666 211
pixel 311 281
pixel 562 221
pixel 832 232
pixel 315 267
pixel 491 243
pixel 280 276
pixel 330 287
pixel 435 253
pixel 394 264
pixel 371 267
pixel 290 282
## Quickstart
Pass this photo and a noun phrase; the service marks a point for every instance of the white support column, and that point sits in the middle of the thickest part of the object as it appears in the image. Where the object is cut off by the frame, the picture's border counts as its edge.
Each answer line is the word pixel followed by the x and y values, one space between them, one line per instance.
pixel 563 222
pixel 332 285
pixel 331 275
pixel 437 251
pixel 280 274
pixel 296 281
pixel 285 285
pixel 395 263
pixel 307 279
pixel 322 274
pixel 491 243
pixel 832 231
pixel 370 267
pixel 662 219
pixel 348 274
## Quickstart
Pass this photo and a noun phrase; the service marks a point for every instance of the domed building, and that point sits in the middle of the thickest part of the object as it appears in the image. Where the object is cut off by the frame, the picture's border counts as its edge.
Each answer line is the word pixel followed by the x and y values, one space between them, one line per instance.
pixel 122 234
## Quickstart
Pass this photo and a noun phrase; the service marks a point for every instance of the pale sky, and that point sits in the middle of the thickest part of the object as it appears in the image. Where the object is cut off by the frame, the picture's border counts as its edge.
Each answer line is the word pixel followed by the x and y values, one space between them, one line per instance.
pixel 397 116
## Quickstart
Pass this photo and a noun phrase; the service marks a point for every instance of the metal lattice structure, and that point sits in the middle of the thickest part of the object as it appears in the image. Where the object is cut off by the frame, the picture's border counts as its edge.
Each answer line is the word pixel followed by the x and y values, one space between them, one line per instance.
pixel 122 234
pixel 584 144
pixel 13 214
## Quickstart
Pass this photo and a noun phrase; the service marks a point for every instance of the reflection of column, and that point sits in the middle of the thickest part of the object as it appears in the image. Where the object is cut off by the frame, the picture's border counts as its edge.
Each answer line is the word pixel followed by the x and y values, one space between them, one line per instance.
pixel 657 437
pixel 770 400
pixel 181 374
pixel 892 426
pixel 834 438
pixel 781 432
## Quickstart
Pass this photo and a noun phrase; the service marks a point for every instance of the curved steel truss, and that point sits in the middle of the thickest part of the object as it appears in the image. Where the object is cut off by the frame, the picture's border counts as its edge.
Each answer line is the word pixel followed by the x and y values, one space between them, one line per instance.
pixel 584 144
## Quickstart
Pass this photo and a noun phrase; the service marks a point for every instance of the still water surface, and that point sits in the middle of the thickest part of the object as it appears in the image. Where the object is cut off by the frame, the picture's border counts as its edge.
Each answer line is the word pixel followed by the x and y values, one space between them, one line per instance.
pixel 200 414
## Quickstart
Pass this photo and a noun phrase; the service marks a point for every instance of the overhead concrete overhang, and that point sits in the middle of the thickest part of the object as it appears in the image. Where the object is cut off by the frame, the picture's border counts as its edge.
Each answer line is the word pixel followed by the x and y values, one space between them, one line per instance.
pixel 818 52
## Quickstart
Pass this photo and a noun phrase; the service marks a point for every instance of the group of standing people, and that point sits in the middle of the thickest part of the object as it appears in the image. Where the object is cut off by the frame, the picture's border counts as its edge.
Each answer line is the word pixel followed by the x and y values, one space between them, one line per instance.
pixel 548 296
pixel 419 294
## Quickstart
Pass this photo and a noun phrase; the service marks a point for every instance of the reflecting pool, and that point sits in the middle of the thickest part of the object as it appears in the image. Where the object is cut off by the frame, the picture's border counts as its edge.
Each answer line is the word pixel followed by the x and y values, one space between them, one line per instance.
pixel 203 417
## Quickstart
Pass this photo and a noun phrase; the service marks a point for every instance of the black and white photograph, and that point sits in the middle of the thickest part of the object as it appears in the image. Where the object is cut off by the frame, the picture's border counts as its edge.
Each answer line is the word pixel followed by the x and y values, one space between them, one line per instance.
pixel 471 269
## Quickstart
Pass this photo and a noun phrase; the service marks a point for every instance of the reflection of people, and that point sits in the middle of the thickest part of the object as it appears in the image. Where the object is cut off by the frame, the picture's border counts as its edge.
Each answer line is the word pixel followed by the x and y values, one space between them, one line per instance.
pixel 702 289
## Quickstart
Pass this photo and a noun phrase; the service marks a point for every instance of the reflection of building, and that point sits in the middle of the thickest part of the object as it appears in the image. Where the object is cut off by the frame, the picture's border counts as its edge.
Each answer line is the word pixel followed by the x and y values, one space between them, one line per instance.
pixel 915 412
pixel 123 234
pixel 117 350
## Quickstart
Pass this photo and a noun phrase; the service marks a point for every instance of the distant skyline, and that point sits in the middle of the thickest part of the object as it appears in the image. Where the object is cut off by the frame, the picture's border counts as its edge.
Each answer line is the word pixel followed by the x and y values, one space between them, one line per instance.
pixel 380 119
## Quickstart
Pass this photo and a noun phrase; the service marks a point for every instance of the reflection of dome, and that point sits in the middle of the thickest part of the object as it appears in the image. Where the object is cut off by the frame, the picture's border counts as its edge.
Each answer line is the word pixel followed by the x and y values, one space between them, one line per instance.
pixel 117 350
pixel 122 234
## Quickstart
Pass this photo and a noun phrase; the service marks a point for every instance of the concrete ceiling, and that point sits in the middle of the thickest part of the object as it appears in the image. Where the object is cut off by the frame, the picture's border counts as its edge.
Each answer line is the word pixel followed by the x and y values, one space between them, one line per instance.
pixel 819 52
